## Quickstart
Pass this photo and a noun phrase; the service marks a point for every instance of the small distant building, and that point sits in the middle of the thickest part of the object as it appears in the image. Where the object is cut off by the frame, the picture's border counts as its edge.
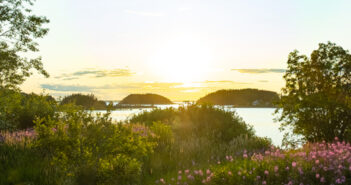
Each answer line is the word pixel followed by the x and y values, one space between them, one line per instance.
pixel 256 103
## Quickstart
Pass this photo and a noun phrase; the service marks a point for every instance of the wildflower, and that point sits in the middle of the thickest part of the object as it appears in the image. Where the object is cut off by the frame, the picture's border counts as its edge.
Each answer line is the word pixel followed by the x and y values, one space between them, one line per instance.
pixel 230 173
pixel 190 177
pixel 179 177
pixel 266 172
pixel 186 171
pixel 322 179
pixel 264 182
pixel 317 175
pixel 317 161
pixel 201 173
pixel 208 172
pixel 293 164
pixel 276 168
pixel 245 155
pixel 162 181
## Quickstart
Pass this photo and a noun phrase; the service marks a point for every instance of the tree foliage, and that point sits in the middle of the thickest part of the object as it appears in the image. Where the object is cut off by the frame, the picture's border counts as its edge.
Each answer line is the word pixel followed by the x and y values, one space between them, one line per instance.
pixel 241 98
pixel 315 101
pixel 19 110
pixel 19 28
pixel 145 99
pixel 85 101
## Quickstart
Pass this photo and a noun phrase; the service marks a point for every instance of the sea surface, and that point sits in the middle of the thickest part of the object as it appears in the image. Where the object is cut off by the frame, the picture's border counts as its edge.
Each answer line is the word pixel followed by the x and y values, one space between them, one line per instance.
pixel 262 119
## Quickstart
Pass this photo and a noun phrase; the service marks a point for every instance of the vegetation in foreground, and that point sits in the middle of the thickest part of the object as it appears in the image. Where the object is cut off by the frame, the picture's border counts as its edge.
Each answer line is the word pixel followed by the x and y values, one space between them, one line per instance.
pixel 315 163
pixel 78 147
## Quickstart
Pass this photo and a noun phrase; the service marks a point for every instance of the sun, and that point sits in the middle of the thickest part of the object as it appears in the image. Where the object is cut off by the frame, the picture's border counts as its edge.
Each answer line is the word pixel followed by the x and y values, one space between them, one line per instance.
pixel 182 59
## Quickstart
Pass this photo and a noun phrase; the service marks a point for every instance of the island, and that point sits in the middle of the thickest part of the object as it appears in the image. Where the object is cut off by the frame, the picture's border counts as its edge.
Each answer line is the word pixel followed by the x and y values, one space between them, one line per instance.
pixel 86 101
pixel 144 99
pixel 241 98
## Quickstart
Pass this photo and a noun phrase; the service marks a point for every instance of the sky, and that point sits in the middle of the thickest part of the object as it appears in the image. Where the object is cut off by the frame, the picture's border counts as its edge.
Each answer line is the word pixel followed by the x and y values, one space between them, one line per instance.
pixel 181 49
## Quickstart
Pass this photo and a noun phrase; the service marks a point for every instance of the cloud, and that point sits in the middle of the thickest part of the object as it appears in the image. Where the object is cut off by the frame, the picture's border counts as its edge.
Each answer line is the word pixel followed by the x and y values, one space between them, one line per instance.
pixel 67 88
pixel 143 13
pixel 96 74
pixel 256 71
pixel 87 88
pixel 263 81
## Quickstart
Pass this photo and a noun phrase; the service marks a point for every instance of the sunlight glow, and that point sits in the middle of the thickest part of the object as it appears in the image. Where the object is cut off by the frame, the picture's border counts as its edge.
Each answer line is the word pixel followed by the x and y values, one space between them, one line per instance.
pixel 182 59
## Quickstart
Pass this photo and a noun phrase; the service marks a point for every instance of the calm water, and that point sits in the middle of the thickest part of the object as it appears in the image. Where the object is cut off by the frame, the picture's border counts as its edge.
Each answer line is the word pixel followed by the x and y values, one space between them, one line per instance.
pixel 260 118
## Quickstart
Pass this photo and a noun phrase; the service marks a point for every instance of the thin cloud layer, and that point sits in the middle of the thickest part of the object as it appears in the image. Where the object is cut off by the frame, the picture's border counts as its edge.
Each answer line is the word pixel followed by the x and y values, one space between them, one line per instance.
pixel 259 71
pixel 67 88
pixel 96 74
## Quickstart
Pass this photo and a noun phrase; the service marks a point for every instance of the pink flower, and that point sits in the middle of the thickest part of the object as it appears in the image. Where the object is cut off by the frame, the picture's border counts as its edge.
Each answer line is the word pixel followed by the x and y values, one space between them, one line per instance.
pixel 317 161
pixel 293 164
pixel 266 172
pixel 162 180
pixel 201 173
pixel 190 177
pixel 179 177
pixel 208 172
pixel 276 168
pixel 230 173
pixel 317 175
pixel 322 179
pixel 245 155
pixel 264 182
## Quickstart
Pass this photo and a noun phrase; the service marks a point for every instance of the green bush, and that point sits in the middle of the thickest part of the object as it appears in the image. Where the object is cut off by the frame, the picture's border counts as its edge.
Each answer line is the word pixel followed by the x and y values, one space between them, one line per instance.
pixel 19 110
pixel 90 149
pixel 197 135
pixel 198 121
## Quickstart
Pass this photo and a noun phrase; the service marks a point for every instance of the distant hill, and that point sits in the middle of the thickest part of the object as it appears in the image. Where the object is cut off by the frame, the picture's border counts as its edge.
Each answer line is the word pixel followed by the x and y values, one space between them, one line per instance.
pixel 86 101
pixel 241 98
pixel 145 99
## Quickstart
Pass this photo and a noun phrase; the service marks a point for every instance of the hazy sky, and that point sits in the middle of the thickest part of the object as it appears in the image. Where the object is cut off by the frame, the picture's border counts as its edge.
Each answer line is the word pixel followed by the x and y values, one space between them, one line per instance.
pixel 181 49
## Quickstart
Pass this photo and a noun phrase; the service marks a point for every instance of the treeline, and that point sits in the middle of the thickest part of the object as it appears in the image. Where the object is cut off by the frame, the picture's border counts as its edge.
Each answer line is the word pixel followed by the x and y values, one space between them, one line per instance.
pixel 241 98
pixel 145 99
pixel 88 101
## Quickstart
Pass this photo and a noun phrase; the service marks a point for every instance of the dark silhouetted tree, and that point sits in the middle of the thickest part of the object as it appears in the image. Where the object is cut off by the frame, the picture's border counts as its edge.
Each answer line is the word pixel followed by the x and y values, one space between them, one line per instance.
pixel 19 28
pixel 315 102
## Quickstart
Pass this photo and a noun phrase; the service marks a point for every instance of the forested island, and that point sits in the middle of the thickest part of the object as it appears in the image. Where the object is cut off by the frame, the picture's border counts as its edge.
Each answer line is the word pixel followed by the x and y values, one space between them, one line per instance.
pixel 149 99
pixel 241 98
pixel 86 101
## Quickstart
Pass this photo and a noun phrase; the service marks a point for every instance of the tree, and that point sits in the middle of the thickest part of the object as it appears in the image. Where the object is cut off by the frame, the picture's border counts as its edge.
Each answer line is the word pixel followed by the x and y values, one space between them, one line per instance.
pixel 18 30
pixel 315 101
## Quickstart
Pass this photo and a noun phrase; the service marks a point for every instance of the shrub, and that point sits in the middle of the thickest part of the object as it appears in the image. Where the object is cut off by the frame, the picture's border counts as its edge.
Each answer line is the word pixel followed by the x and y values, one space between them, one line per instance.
pixel 198 121
pixel 19 110
pixel 90 149
pixel 197 135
